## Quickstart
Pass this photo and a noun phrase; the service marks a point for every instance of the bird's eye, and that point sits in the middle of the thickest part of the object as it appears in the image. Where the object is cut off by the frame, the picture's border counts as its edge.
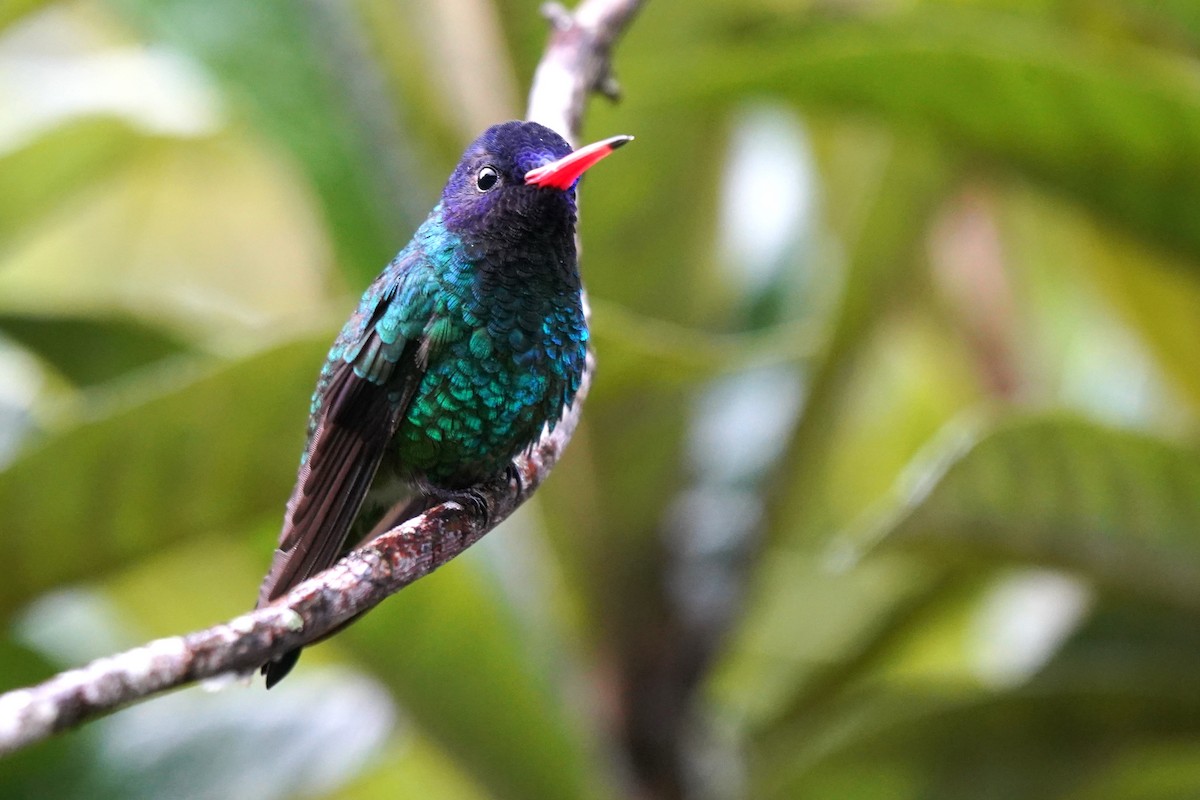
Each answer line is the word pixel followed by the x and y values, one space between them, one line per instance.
pixel 486 179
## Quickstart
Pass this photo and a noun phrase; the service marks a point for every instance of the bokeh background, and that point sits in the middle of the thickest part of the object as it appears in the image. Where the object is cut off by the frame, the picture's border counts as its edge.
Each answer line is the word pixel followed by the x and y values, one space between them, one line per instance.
pixel 888 486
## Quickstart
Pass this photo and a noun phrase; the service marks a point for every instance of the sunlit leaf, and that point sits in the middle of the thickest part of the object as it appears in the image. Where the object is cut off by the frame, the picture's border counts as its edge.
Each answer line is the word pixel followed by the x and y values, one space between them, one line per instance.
pixel 811 624
pixel 13 10
pixel 1162 305
pixel 294 72
pixel 415 768
pixel 54 167
pixel 881 266
pixel 211 237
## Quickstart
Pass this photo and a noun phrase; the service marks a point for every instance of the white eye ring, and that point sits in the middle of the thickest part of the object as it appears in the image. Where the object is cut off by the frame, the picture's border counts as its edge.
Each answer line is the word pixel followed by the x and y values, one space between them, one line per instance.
pixel 486 179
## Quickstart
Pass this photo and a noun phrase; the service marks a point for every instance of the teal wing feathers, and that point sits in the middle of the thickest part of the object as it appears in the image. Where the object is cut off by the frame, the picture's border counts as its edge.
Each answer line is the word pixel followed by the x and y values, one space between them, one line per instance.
pixel 362 396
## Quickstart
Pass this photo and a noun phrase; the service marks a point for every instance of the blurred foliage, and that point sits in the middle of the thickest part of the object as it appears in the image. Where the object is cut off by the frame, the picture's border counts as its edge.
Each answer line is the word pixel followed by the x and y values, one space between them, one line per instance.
pixel 889 484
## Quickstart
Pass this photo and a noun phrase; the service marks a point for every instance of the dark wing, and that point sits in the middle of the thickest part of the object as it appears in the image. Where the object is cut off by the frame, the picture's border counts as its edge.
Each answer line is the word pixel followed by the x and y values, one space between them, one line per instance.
pixel 366 393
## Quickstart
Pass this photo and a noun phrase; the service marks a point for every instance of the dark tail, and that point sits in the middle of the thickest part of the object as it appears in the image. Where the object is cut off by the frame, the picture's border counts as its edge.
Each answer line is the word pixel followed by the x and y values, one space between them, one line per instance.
pixel 277 668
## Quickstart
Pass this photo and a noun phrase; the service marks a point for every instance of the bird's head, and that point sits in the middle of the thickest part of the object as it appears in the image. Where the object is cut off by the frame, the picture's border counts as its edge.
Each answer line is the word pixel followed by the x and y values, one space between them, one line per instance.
pixel 516 178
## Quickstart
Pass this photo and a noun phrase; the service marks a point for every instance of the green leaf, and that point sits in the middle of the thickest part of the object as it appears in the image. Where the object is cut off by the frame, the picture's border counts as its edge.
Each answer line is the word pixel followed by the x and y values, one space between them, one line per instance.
pixel 14 10
pixel 881 266
pixel 1111 694
pixel 468 672
pixel 1116 127
pixel 414 767
pixel 1167 19
pixel 1057 255
pixel 297 73
pixel 57 165
pixel 936 745
pixel 1166 770
pixel 88 351
pixel 1116 695
pixel 1119 507
pixel 452 652
pixel 638 349
pixel 205 454
pixel 810 629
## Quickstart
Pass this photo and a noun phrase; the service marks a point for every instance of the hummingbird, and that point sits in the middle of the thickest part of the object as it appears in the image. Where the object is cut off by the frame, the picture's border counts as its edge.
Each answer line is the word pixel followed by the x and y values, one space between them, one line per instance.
pixel 467 344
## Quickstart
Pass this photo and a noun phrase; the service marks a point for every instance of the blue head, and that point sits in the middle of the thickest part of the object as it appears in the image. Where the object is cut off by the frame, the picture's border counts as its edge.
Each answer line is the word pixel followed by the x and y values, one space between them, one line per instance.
pixel 516 182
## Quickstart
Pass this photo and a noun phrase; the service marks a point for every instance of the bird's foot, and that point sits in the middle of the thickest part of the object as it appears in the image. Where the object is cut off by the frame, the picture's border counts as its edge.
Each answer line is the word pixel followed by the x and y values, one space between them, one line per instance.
pixel 512 475
pixel 473 500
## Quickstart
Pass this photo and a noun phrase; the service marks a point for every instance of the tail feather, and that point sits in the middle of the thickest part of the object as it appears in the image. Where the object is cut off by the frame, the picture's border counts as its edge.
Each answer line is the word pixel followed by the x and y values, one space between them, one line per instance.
pixel 277 668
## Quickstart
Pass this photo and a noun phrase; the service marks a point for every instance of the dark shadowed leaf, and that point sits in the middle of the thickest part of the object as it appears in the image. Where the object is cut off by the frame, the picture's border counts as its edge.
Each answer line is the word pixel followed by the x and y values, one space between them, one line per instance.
pixel 1038 744
pixel 88 351
pixel 203 455
pixel 1111 125
pixel 460 665
pixel 1120 507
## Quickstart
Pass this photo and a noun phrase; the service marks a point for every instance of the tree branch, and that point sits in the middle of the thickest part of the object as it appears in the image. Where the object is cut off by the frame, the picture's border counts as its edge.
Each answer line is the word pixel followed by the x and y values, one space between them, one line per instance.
pixel 576 62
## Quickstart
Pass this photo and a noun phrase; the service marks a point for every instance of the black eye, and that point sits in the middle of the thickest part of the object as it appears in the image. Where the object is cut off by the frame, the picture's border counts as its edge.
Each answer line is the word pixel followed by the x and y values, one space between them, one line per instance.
pixel 486 179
